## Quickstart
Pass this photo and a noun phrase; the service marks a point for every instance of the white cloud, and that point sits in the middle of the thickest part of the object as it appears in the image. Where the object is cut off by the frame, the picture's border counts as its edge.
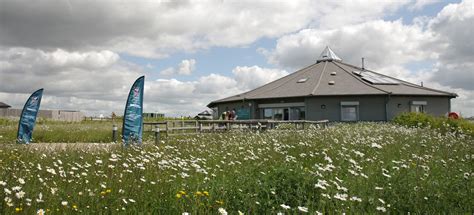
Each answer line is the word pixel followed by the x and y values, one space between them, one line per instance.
pixel 83 74
pixel 147 28
pixel 98 82
pixel 380 42
pixel 255 76
pixel 186 67
pixel 157 28
pixel 453 29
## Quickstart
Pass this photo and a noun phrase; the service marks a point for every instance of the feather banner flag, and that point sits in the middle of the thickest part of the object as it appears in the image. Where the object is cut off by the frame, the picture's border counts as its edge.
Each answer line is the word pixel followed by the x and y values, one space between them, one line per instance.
pixel 28 117
pixel 132 117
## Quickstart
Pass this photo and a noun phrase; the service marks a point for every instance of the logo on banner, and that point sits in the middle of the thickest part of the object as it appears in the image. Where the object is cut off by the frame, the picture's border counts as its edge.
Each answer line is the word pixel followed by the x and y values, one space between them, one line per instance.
pixel 34 100
pixel 136 92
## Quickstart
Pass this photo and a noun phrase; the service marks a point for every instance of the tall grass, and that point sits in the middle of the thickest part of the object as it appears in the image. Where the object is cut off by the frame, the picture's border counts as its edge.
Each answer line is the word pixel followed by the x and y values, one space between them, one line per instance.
pixel 355 168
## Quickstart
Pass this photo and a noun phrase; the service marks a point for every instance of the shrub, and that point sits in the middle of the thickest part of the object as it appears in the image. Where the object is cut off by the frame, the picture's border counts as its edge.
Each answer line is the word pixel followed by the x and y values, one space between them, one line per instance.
pixel 443 124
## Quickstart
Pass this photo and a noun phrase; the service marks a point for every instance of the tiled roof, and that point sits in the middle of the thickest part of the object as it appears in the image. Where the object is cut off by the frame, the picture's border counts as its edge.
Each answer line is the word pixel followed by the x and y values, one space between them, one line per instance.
pixel 331 77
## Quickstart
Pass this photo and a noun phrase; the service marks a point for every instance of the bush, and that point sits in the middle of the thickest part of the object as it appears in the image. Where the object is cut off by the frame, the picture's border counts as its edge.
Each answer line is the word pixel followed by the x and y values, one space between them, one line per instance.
pixel 443 124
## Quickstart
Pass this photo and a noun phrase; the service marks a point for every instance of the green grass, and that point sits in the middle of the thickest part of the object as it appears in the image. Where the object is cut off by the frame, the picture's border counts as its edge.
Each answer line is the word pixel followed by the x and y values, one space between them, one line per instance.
pixel 47 131
pixel 385 166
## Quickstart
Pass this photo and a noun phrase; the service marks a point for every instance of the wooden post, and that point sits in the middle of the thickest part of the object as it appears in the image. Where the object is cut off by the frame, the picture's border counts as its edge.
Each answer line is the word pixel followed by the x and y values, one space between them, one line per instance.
pixel 200 127
pixel 157 134
pixel 114 133
pixel 213 126
pixel 167 130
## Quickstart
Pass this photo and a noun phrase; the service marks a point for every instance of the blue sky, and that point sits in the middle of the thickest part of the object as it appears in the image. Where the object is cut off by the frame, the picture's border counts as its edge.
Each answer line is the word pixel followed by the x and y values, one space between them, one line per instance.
pixel 194 52
pixel 223 60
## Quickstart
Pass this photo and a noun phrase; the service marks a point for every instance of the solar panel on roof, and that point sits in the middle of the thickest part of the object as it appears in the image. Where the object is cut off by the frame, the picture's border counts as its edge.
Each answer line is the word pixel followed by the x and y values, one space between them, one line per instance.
pixel 376 79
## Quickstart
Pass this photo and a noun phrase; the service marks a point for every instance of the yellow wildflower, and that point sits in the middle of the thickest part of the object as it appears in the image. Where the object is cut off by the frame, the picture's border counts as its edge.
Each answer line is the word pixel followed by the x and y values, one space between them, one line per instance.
pixel 178 195
pixel 198 193
pixel 182 192
pixel 103 193
pixel 206 193
pixel 108 191
pixel 220 202
pixel 74 206
pixel 18 209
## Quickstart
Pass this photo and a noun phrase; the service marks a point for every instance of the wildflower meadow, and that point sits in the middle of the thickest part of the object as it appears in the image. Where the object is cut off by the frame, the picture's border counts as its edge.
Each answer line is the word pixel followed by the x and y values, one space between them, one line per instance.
pixel 346 168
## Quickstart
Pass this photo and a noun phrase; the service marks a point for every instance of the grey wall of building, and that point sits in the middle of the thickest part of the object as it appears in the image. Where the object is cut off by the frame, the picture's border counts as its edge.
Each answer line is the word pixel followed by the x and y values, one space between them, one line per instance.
pixel 371 108
pixel 437 106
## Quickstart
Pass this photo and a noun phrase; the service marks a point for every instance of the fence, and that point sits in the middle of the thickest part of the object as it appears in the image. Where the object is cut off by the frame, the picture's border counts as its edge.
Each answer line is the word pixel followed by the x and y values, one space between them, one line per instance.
pixel 207 126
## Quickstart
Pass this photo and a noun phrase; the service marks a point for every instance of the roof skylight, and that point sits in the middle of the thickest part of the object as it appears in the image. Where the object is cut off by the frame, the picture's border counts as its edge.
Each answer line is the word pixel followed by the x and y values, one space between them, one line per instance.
pixel 302 80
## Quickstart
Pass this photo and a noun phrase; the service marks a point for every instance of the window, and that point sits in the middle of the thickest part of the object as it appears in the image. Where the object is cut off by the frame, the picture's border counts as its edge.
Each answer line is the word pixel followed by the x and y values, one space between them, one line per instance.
pixel 349 111
pixel 418 106
pixel 267 113
pixel 278 114
pixel 285 113
pixel 302 80
pixel 297 113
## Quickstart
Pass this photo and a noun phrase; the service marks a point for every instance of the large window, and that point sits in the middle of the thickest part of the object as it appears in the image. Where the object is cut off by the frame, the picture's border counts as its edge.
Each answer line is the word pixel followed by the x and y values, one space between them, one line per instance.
pixel 297 113
pixel 349 111
pixel 418 106
pixel 278 114
pixel 267 113
pixel 285 113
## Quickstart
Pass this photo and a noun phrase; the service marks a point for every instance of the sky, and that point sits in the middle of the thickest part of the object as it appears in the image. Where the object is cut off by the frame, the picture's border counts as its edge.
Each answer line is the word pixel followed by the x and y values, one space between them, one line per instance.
pixel 86 53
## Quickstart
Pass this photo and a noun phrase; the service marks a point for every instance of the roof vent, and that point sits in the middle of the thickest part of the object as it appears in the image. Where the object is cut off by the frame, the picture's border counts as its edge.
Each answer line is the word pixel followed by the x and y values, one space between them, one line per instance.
pixel 333 73
pixel 331 83
pixel 358 73
pixel 302 80
pixel 328 55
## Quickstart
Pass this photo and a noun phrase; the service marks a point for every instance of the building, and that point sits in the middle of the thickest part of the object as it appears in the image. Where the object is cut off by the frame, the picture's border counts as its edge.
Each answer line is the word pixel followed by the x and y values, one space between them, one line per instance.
pixel 60 115
pixel 333 90
pixel 4 106
pixel 153 115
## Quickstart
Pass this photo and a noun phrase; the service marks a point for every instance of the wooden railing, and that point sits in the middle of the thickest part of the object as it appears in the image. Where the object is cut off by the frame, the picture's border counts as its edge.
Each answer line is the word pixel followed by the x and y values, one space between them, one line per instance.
pixel 203 126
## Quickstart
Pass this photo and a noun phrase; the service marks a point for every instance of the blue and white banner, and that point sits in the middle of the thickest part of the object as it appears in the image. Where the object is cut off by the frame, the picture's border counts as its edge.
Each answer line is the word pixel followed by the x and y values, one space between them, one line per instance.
pixel 28 117
pixel 132 117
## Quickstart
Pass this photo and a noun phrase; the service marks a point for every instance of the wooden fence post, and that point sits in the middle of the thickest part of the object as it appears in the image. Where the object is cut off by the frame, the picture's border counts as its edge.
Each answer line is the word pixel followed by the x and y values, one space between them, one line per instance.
pixel 157 134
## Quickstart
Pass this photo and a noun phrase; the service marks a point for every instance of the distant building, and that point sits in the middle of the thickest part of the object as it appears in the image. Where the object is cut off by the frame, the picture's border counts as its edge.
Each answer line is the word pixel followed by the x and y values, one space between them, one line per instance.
pixel 333 90
pixel 4 106
pixel 60 115
pixel 153 115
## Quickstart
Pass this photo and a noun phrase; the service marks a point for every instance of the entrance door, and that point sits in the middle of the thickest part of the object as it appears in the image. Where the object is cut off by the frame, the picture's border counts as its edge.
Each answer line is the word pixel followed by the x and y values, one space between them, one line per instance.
pixel 286 114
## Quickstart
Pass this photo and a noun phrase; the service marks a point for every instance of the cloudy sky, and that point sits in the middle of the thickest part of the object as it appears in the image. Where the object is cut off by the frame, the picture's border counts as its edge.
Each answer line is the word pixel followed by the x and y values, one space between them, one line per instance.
pixel 87 53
